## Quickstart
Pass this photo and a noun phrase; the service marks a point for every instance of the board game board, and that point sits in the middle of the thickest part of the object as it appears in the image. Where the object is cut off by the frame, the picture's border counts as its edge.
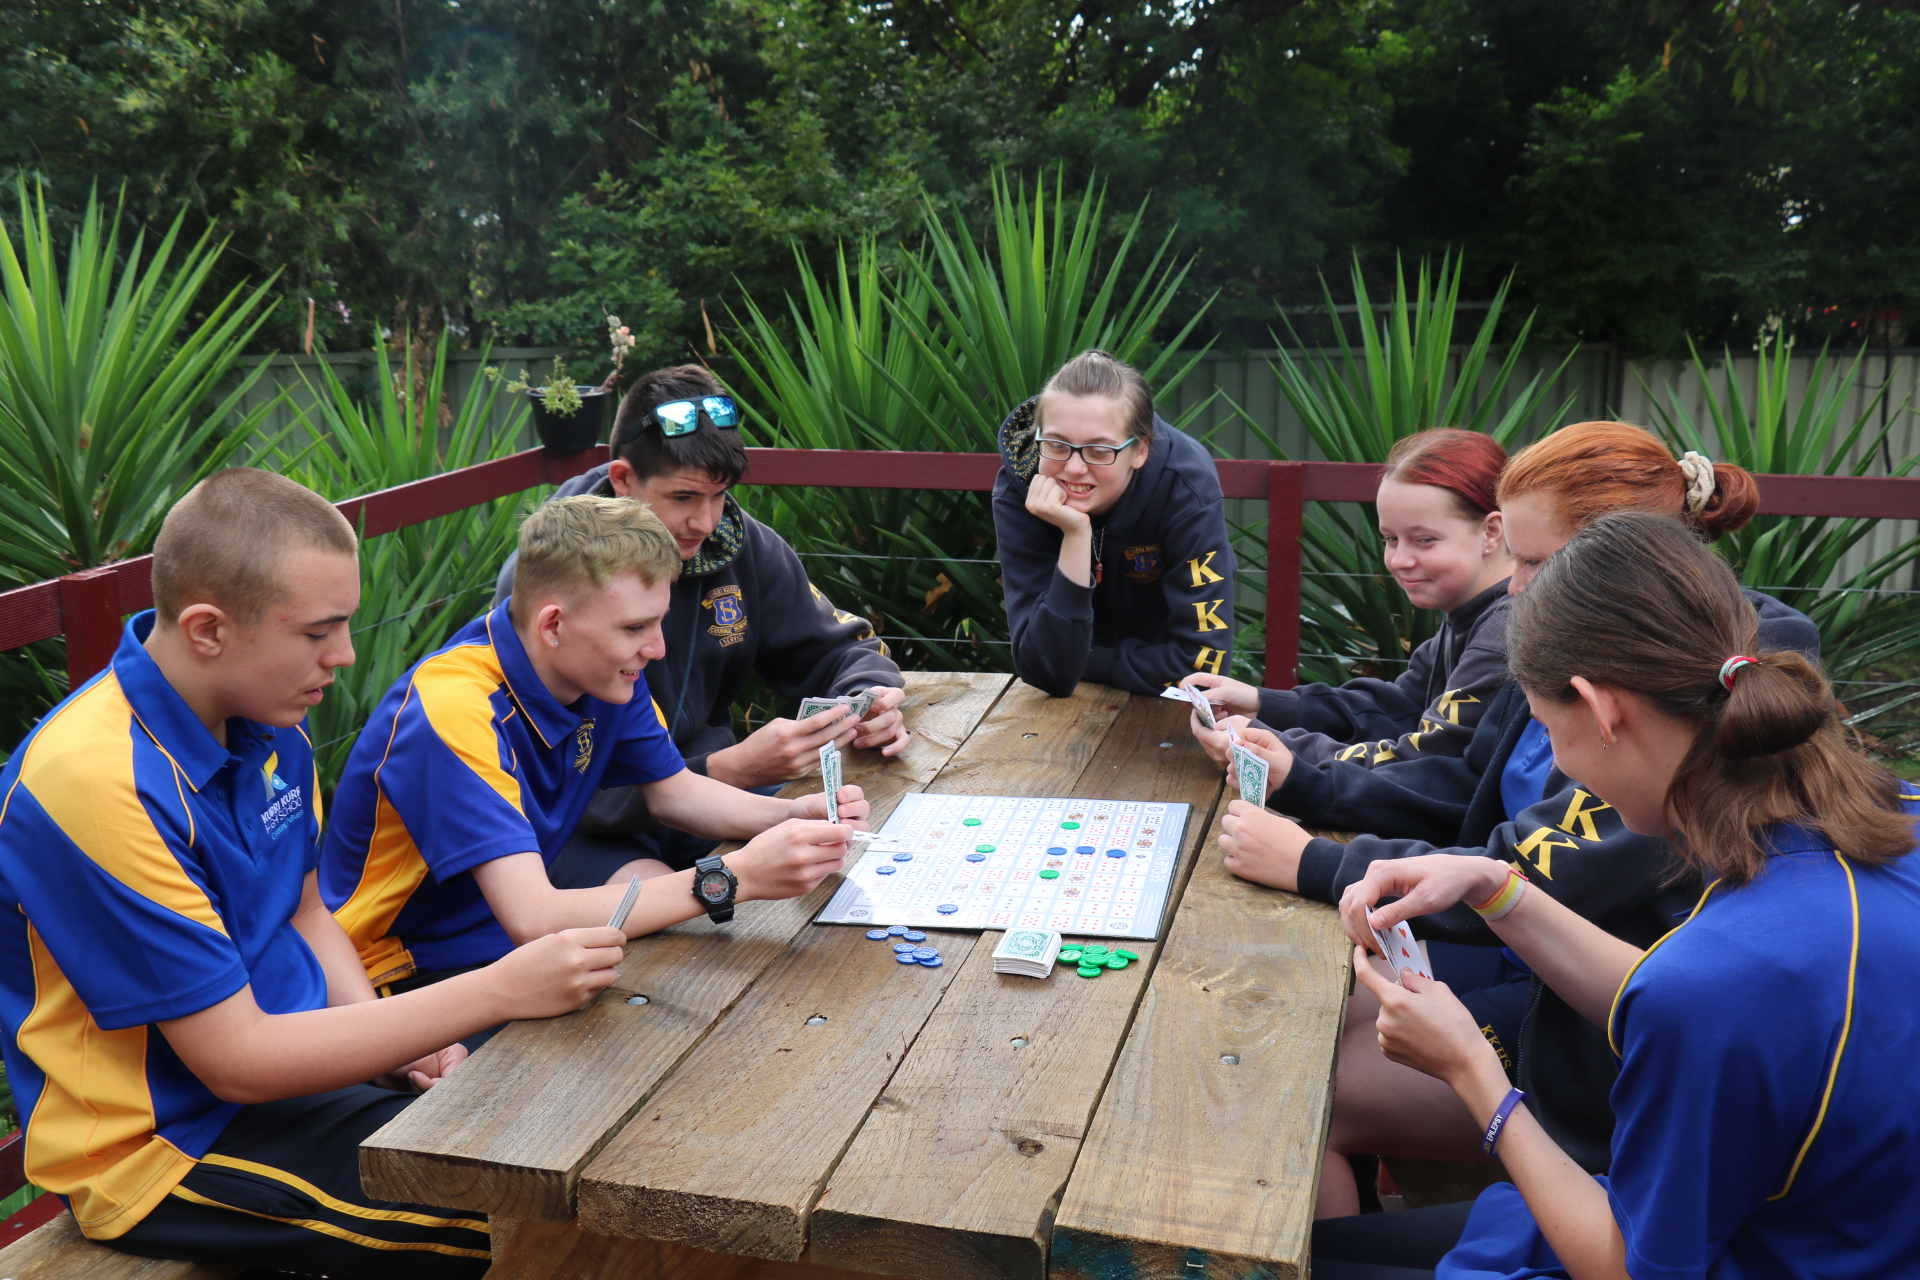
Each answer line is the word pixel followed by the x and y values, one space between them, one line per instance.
pixel 983 862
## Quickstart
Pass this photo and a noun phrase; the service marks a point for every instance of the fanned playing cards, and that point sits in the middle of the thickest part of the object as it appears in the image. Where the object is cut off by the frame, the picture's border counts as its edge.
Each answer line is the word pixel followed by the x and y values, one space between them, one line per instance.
pixel 1401 950
pixel 1194 697
pixel 1028 952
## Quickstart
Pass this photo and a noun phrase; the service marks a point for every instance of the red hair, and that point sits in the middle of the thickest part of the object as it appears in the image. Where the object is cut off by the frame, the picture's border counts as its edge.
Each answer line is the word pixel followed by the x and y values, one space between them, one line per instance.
pixel 1466 464
pixel 1592 468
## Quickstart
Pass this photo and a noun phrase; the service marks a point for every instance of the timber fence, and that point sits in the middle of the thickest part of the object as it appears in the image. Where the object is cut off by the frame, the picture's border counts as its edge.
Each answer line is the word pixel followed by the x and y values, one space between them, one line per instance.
pixel 88 607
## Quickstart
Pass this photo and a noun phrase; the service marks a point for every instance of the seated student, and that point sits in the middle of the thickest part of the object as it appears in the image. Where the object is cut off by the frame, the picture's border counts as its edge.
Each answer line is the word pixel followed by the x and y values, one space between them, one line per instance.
pixel 1768 1109
pixel 1113 537
pixel 188 1032
pixel 1521 809
pixel 1446 547
pixel 475 768
pixel 742 606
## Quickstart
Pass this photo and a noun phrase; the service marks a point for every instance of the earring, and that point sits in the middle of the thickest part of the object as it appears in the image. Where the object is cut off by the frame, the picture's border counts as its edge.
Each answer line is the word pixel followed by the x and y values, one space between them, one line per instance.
pixel 1604 745
pixel 553 642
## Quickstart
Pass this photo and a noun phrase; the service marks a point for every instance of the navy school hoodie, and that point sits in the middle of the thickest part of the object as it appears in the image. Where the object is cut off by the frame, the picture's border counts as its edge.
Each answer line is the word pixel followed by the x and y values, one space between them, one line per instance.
pixel 1570 845
pixel 743 605
pixel 1161 606
pixel 1430 709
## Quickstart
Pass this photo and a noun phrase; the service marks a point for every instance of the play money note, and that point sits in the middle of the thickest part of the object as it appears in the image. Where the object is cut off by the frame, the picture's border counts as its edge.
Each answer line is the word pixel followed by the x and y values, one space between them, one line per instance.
pixel 830 779
pixel 1250 771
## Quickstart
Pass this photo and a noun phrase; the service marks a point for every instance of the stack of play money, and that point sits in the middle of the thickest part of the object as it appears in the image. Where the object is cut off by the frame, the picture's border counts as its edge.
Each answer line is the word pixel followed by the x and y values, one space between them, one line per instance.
pixel 1027 952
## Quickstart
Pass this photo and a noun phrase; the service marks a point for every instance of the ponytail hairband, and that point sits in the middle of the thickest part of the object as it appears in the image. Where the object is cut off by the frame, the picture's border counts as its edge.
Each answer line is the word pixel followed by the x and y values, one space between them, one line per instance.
pixel 1734 664
pixel 1698 472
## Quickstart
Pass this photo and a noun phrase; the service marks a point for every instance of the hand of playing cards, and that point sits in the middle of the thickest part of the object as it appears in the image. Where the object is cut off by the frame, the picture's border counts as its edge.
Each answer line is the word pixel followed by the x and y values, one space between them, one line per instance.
pixel 1031 953
pixel 1250 773
pixel 1197 698
pixel 1401 950
pixel 860 702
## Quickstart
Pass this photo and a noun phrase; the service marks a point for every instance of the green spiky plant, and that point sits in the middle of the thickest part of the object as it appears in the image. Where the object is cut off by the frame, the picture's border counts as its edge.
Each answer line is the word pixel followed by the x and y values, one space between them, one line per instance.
pixel 419 584
pixel 1863 624
pixel 116 395
pixel 933 358
pixel 1403 376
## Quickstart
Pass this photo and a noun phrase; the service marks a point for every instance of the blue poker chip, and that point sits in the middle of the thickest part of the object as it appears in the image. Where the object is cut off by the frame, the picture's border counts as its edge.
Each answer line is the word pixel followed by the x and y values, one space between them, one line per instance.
pixel 1085 849
pixel 877 934
pixel 914 935
pixel 903 857
pixel 925 953
pixel 976 857
pixel 903 946
pixel 884 870
pixel 1116 853
pixel 947 908
pixel 931 962
pixel 897 931
pixel 906 957
pixel 1057 851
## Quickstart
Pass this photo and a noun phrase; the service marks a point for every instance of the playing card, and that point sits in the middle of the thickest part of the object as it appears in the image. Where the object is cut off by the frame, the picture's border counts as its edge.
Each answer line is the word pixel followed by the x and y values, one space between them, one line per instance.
pixel 861 702
pixel 830 779
pixel 1250 771
pixel 814 706
pixel 1402 950
pixel 1202 707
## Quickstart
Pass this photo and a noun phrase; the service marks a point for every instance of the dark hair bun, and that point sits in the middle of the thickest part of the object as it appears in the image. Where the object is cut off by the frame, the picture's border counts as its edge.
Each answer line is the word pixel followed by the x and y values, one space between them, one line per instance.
pixel 1774 707
pixel 1735 501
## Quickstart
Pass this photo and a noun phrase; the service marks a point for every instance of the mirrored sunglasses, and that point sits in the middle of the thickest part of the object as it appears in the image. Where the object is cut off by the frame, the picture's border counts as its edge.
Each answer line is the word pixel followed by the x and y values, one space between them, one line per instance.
pixel 682 417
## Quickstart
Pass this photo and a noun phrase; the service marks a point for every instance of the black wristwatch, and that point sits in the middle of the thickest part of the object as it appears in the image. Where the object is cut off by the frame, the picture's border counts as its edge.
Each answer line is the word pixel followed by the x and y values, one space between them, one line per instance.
pixel 715 886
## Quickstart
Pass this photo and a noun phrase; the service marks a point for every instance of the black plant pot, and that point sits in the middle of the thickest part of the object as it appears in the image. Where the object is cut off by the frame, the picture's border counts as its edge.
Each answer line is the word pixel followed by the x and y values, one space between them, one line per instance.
pixel 572 432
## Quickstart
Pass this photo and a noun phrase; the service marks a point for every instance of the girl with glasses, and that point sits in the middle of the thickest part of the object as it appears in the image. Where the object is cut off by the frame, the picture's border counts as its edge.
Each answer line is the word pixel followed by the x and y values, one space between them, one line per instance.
pixel 1113 537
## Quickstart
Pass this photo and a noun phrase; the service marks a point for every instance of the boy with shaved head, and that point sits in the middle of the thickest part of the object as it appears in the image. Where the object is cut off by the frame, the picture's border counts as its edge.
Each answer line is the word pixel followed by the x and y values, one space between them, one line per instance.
pixel 474 770
pixel 189 1033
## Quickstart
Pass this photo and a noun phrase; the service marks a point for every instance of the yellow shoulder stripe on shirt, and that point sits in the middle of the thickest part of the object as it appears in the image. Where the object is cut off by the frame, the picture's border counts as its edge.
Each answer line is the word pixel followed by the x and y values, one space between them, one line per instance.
pixel 80 770
pixel 1846 1029
pixel 455 690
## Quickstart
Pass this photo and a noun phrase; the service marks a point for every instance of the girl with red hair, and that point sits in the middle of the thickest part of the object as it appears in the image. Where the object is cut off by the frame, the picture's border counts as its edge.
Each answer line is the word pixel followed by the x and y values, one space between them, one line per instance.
pixel 1445 545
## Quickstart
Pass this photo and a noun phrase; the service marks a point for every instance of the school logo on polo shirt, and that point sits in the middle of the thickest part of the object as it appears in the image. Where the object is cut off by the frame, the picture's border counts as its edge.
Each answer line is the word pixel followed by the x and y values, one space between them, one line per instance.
pixel 729 614
pixel 286 801
pixel 583 745
pixel 1145 564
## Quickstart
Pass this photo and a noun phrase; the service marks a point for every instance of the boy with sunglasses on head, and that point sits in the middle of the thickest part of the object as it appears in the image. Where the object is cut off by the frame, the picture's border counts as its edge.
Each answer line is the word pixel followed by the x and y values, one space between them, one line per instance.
pixel 742 605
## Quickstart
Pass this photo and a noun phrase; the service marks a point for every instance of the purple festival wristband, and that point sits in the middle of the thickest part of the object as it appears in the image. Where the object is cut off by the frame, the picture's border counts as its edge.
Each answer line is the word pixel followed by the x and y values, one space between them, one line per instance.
pixel 1499 1122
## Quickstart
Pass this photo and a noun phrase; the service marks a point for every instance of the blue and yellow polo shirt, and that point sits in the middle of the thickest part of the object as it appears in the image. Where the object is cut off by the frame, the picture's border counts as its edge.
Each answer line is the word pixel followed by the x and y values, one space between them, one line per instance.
pixel 147 873
pixel 468 758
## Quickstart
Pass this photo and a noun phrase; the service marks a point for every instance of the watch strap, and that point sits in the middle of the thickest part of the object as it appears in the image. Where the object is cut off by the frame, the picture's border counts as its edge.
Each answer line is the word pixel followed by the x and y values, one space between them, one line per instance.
pixel 718 912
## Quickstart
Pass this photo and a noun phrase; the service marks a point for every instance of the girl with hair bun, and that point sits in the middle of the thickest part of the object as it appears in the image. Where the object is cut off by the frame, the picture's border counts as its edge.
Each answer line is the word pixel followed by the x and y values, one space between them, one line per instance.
pixel 1445 545
pixel 1508 799
pixel 1768 1107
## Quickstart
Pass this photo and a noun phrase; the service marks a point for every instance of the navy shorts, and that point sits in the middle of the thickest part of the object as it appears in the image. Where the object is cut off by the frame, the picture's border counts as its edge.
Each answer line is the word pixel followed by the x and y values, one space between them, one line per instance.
pixel 1494 989
pixel 280 1191
pixel 589 861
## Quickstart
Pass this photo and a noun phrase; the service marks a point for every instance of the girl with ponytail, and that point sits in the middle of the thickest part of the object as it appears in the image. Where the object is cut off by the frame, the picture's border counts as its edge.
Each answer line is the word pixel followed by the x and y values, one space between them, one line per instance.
pixel 1768 1109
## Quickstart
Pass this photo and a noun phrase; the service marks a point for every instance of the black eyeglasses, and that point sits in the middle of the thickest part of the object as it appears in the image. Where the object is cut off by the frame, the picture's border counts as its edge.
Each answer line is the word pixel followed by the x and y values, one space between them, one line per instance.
pixel 682 417
pixel 1094 455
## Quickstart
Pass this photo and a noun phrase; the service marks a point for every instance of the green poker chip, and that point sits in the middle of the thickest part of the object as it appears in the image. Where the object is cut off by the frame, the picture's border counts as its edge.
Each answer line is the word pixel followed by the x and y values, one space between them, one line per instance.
pixel 983 848
pixel 1093 949
pixel 1070 955
pixel 1128 954
pixel 969 822
pixel 1049 874
pixel 1117 962
pixel 1069 826
pixel 1088 971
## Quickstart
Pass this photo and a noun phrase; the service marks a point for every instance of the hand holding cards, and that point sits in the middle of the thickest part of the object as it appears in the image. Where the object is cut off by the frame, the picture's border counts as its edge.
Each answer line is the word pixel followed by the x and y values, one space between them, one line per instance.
pixel 1398 946
pixel 860 702
pixel 1196 697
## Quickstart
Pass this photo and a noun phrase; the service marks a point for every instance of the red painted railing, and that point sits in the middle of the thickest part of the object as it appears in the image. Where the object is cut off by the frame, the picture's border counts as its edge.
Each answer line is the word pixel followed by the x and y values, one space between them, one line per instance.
pixel 88 607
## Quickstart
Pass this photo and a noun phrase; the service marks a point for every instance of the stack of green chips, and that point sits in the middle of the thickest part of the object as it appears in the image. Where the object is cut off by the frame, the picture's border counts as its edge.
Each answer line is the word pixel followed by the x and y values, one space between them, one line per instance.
pixel 1092 958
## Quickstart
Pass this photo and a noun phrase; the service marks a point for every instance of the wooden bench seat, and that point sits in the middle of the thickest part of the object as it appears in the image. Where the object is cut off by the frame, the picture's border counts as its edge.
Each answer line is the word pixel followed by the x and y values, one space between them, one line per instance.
pixel 58 1251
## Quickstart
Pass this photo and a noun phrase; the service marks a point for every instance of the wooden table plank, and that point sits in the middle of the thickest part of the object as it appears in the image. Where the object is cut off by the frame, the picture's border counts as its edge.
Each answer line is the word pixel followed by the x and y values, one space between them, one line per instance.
pixel 956 1172
pixel 732 1152
pixel 510 1132
pixel 527 1250
pixel 1195 1167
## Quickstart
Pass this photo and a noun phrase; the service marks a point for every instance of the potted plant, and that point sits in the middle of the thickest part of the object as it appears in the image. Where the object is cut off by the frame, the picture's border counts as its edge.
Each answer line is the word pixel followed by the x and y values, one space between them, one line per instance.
pixel 568 415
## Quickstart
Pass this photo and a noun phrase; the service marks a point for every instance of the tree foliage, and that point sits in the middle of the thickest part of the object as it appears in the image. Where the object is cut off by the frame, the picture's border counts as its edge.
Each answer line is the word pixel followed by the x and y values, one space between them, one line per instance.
pixel 517 168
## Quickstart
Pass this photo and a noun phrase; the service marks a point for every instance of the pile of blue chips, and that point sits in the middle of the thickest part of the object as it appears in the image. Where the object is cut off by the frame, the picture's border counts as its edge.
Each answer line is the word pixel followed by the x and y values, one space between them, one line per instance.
pixel 909 946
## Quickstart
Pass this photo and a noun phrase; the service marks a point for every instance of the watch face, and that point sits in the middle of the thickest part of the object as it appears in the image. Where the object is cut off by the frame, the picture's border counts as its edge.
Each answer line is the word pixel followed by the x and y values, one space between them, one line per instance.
pixel 712 886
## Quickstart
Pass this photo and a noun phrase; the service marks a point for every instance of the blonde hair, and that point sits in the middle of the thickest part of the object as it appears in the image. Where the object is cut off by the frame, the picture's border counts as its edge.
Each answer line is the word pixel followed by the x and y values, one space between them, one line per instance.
pixel 222 544
pixel 1095 373
pixel 584 541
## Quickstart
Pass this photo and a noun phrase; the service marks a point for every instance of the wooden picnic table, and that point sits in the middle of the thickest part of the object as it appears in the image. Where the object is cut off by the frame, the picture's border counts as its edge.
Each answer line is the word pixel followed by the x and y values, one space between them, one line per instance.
pixel 1165 1120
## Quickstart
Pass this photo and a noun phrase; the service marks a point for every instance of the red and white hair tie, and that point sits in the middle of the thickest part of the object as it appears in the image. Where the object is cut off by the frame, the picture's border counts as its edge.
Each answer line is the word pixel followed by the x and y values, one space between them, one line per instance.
pixel 1734 664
